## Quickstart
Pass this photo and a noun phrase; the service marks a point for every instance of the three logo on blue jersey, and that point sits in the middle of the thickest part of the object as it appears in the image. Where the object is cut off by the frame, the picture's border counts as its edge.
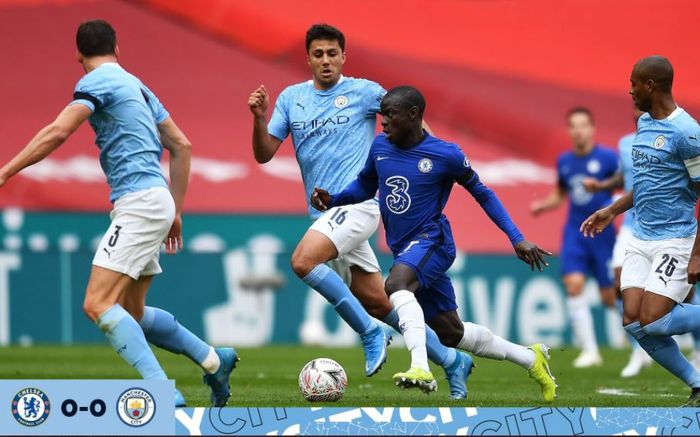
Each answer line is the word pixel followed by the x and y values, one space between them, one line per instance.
pixel 398 201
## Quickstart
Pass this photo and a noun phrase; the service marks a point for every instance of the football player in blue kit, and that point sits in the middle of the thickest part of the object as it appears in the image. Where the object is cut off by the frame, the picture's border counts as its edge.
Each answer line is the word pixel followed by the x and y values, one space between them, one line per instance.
pixel 132 127
pixel 580 257
pixel 331 120
pixel 662 260
pixel 414 173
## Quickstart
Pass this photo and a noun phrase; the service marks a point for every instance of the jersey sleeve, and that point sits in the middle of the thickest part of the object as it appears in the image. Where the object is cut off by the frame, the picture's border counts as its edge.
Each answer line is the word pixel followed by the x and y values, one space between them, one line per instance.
pixel 561 180
pixel 458 166
pixel 278 126
pixel 157 109
pixel 374 93
pixel 689 150
pixel 613 163
pixel 91 91
pixel 364 187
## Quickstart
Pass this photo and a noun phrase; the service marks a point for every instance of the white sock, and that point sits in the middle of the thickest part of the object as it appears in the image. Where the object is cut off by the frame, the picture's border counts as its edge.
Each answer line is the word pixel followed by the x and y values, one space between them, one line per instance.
pixel 211 363
pixel 582 322
pixel 480 341
pixel 412 326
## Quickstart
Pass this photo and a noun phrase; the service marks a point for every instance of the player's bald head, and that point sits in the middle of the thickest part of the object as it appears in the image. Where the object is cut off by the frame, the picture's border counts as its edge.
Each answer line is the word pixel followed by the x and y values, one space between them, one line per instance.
pixel 657 69
pixel 406 97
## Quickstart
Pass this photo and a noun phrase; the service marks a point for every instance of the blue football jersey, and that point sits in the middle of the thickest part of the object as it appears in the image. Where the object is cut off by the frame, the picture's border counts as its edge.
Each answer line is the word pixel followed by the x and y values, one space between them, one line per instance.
pixel 625 149
pixel 600 163
pixel 414 185
pixel 331 130
pixel 125 114
pixel 666 163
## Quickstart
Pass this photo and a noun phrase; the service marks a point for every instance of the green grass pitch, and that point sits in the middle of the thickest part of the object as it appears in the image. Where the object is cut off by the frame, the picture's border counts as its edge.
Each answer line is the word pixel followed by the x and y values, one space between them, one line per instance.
pixel 267 376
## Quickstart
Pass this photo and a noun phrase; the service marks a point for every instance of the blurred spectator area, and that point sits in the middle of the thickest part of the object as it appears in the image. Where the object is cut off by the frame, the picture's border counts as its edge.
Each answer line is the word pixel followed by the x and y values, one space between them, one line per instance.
pixel 498 77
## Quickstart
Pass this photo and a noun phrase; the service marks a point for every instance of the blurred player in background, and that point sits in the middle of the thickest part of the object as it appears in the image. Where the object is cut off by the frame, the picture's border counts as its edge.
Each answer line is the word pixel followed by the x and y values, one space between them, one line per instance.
pixel 332 120
pixel 132 127
pixel 662 259
pixel 414 173
pixel 623 179
pixel 579 256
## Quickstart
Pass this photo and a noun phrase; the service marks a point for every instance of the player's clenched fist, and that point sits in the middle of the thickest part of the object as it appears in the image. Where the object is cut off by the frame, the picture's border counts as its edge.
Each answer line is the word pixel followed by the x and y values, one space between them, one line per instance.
pixel 320 199
pixel 259 101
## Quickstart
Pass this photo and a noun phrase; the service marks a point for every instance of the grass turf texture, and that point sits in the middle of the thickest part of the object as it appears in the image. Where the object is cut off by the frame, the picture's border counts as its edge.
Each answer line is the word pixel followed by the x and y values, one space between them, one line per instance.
pixel 268 377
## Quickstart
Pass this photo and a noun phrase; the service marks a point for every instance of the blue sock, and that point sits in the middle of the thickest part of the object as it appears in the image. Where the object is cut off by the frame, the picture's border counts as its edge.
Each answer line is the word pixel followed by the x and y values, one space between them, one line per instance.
pixel 664 350
pixel 683 318
pixel 163 330
pixel 128 340
pixel 438 353
pixel 696 332
pixel 632 340
pixel 328 283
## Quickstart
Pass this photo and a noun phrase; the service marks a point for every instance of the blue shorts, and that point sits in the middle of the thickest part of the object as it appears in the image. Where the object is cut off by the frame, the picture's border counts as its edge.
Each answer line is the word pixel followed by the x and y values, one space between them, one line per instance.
pixel 430 260
pixel 589 256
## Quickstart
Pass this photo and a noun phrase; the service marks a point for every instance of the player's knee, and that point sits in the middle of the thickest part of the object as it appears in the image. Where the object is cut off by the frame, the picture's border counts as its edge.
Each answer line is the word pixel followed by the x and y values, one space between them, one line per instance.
pixel 396 282
pixel 378 309
pixel 92 308
pixel 302 264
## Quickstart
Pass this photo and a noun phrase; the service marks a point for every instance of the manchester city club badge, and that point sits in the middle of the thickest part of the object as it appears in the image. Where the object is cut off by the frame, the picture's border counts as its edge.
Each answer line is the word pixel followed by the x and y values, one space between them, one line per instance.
pixel 136 407
pixel 31 407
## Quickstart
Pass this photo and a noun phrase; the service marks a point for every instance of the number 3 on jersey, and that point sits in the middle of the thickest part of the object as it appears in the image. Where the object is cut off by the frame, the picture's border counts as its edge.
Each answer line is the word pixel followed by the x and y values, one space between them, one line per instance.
pixel 398 201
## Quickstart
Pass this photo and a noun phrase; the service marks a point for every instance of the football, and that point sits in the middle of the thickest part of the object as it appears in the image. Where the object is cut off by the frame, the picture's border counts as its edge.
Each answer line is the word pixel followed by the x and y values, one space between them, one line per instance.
pixel 322 380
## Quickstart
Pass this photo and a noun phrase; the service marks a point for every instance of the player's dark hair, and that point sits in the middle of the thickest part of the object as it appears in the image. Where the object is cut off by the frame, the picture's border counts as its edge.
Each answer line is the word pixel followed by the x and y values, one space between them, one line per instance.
pixel 96 38
pixel 658 69
pixel 580 110
pixel 326 32
pixel 408 97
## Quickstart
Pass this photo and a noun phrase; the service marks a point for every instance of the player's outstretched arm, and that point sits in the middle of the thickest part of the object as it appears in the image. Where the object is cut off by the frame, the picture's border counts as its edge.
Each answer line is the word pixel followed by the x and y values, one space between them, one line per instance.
pixel 593 185
pixel 552 201
pixel 600 219
pixel 264 145
pixel 46 140
pixel 491 204
pixel 361 189
pixel 180 149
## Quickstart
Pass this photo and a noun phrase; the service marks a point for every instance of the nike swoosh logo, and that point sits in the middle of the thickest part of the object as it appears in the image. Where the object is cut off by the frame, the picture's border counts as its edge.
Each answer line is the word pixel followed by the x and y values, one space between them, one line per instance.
pixel 380 158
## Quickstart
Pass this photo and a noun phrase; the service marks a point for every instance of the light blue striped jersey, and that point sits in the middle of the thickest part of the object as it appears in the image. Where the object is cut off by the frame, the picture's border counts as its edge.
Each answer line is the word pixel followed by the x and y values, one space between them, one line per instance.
pixel 125 114
pixel 666 163
pixel 331 130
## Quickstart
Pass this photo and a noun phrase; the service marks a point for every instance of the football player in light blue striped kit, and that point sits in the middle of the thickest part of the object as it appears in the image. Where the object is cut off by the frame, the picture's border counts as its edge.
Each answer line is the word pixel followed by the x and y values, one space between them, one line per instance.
pixel 331 119
pixel 662 260
pixel 131 127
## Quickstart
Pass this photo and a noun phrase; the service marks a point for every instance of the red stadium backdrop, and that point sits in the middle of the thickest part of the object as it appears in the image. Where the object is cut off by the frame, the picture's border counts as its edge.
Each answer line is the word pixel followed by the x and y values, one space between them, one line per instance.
pixel 499 87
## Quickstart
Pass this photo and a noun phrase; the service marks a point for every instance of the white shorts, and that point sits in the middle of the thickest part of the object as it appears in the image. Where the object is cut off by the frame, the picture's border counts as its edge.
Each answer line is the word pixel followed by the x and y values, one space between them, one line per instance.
pixel 621 242
pixel 349 227
pixel 140 222
pixel 660 267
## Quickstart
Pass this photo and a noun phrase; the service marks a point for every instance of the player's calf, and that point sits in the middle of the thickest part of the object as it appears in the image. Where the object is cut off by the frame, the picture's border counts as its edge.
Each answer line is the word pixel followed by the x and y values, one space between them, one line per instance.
pixel 449 329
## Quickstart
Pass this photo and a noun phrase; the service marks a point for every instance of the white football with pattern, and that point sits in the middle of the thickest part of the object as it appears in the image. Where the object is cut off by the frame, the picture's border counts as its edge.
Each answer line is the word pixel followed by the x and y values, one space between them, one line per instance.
pixel 322 380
